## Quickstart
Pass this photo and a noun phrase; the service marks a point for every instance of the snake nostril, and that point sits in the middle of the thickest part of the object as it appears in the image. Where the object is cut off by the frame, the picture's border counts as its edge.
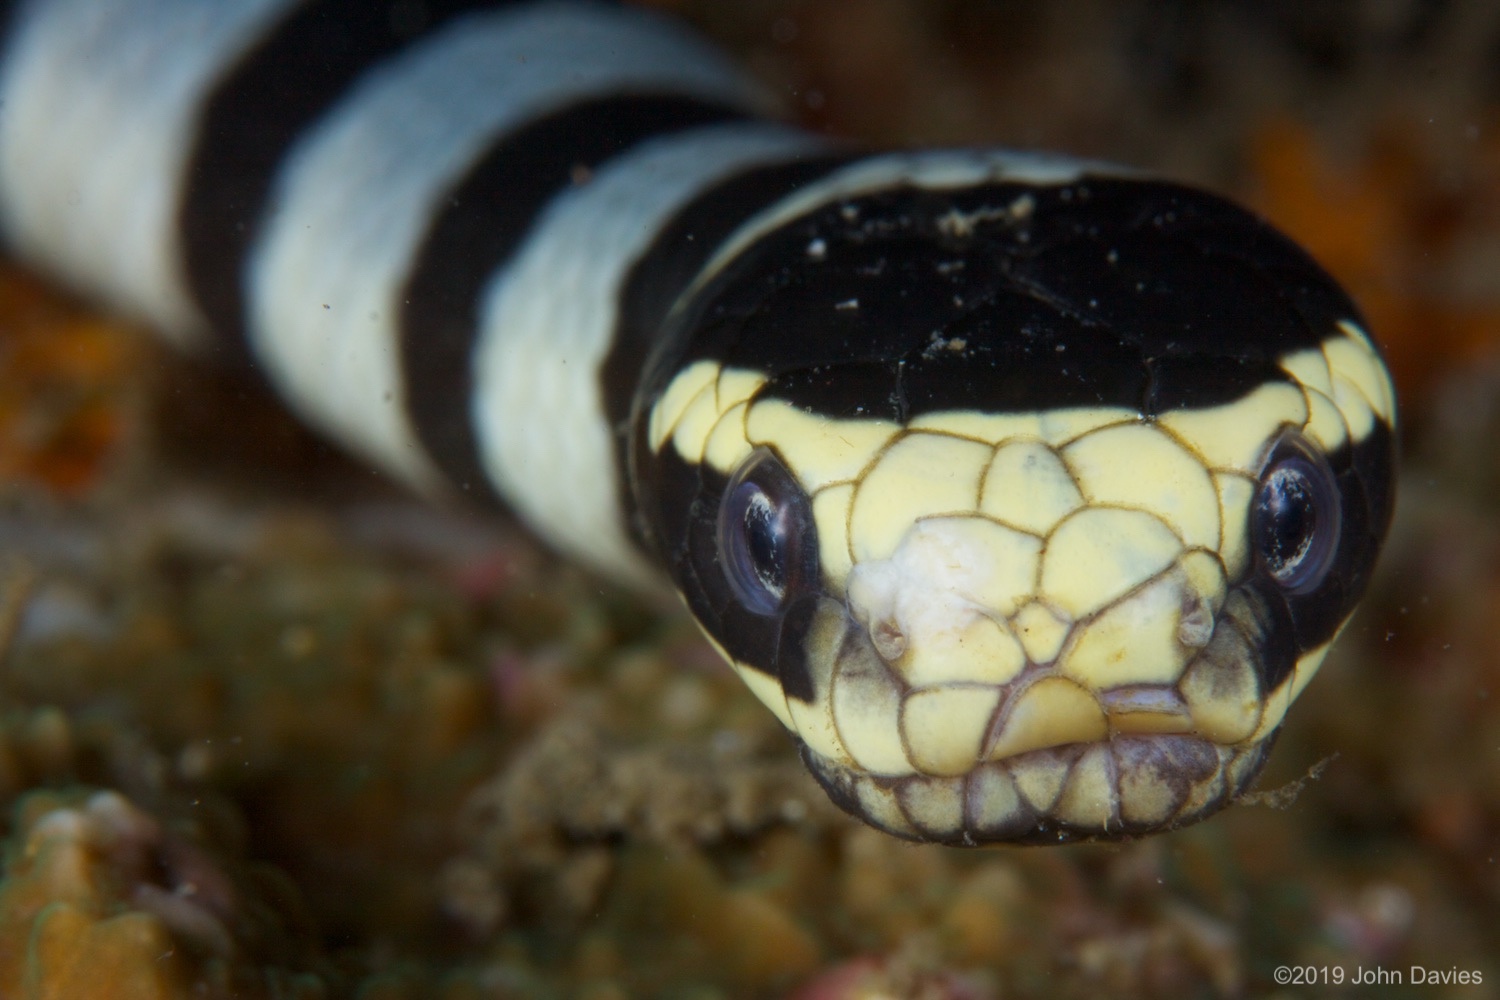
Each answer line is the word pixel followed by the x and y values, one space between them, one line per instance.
pixel 1196 625
pixel 889 640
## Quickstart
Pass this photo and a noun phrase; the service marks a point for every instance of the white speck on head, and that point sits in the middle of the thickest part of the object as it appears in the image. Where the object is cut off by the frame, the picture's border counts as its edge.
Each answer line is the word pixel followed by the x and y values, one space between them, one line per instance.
pixel 947 573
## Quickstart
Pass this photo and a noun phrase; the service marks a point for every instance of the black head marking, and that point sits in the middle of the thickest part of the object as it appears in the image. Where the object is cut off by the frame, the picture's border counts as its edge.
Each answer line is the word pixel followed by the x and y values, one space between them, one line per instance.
pixel 1012 298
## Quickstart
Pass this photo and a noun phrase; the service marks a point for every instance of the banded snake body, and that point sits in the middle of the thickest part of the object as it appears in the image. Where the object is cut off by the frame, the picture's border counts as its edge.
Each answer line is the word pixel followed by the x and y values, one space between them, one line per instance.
pixel 1027 492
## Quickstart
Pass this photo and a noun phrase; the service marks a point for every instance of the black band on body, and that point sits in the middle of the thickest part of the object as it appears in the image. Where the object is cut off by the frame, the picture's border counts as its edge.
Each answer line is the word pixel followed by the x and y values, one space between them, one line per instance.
pixel 8 24
pixel 256 113
pixel 483 223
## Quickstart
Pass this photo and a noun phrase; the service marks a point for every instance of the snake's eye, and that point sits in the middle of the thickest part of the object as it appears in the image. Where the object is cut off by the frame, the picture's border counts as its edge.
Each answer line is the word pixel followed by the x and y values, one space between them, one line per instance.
pixel 767 539
pixel 1296 518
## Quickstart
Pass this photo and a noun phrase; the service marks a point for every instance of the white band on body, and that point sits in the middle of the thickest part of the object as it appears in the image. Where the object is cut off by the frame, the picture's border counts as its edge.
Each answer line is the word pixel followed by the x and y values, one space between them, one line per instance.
pixel 100 102
pixel 549 323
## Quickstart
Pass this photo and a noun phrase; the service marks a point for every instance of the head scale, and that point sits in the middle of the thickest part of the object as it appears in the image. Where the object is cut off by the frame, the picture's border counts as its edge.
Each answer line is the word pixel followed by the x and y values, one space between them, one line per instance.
pixel 1027 508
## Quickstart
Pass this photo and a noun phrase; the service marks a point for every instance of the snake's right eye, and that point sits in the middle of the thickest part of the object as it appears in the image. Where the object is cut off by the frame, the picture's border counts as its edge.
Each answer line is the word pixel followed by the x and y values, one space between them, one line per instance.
pixel 1297 516
pixel 767 539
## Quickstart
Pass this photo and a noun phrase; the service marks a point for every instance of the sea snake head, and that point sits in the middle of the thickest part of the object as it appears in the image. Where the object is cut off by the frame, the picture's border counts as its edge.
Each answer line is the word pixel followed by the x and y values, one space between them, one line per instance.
pixel 1028 509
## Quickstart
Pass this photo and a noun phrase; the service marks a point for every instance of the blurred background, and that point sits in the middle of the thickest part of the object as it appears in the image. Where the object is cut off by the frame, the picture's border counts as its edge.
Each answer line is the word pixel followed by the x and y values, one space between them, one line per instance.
pixel 271 727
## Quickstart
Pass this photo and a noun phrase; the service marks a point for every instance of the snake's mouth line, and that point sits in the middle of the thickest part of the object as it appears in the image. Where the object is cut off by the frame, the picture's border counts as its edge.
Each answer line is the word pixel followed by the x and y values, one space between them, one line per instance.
pixel 1121 787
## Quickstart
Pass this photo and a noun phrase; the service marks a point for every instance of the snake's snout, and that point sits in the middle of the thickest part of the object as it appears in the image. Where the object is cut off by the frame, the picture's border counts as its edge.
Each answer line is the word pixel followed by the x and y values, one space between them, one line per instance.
pixel 1020 708
pixel 976 613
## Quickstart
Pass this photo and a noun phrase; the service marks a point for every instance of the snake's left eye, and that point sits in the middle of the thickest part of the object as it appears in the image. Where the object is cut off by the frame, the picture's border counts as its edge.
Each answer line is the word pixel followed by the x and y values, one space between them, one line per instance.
pixel 1297 515
pixel 766 535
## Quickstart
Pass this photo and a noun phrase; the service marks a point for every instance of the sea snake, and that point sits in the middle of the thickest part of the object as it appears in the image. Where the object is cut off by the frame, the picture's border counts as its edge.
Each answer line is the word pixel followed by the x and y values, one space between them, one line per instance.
pixel 1027 492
